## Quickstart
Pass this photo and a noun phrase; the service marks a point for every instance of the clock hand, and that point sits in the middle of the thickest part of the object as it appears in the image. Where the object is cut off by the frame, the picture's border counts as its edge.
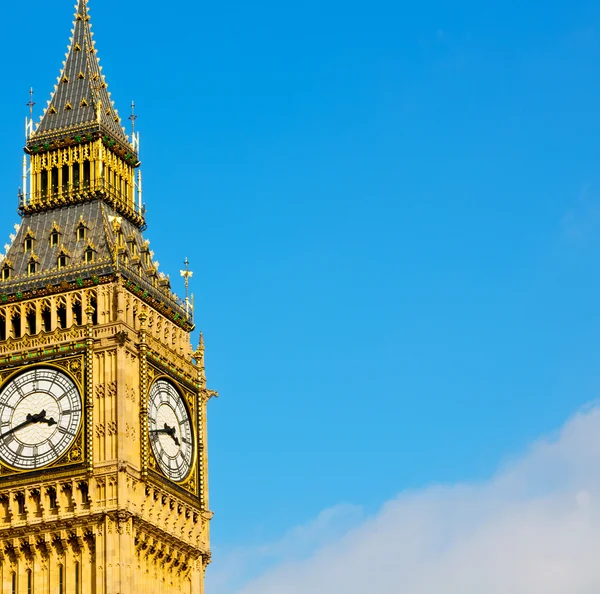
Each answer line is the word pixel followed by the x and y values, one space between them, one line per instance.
pixel 167 431
pixel 40 417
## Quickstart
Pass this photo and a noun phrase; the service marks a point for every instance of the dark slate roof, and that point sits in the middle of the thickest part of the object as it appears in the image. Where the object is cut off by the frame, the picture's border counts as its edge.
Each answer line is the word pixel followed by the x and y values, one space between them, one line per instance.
pixel 80 82
pixel 40 226
pixel 97 217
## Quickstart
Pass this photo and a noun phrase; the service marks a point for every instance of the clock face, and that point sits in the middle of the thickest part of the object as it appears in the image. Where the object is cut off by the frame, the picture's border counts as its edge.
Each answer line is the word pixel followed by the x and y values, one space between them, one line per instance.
pixel 40 416
pixel 170 430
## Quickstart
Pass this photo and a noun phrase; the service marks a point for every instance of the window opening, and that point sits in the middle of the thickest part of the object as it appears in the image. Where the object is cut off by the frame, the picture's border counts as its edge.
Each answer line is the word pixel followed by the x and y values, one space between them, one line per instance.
pixel 29 582
pixel 52 498
pixel 5 272
pixel 31 267
pixel 54 179
pixel 88 255
pixel 31 323
pixel 94 304
pixel 61 314
pixel 77 314
pixel 76 174
pixel 65 178
pixel 28 244
pixel 54 238
pixel 76 577
pixel 86 174
pixel 61 579
pixel 21 503
pixel 16 325
pixel 62 261
pixel 44 182
pixel 46 320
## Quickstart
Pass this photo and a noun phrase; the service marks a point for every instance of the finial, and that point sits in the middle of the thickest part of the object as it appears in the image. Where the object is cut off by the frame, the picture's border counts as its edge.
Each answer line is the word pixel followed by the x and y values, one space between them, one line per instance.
pixel 89 312
pixel 133 118
pixel 31 103
pixel 187 275
pixel 198 355
pixel 29 121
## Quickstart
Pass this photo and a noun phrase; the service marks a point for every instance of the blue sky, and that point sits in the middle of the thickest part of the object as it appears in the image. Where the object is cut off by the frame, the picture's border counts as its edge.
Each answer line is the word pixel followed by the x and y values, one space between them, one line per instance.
pixel 393 215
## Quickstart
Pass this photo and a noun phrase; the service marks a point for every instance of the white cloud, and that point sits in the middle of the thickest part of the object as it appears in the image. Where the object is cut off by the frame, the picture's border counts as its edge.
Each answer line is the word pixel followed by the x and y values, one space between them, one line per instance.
pixel 532 529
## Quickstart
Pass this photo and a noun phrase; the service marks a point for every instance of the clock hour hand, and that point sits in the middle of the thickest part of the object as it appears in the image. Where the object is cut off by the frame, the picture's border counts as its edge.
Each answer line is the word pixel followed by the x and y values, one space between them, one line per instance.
pixel 167 431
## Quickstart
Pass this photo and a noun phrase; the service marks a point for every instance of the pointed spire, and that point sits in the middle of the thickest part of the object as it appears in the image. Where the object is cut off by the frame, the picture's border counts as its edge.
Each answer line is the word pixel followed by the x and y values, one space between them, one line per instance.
pixel 80 103
pixel 199 357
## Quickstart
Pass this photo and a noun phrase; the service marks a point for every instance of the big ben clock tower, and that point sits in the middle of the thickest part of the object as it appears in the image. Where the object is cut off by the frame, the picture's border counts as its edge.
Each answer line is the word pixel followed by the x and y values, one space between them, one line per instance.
pixel 103 460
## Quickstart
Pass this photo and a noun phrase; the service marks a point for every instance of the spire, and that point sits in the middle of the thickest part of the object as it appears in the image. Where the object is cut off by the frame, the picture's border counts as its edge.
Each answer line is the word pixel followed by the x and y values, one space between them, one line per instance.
pixel 80 102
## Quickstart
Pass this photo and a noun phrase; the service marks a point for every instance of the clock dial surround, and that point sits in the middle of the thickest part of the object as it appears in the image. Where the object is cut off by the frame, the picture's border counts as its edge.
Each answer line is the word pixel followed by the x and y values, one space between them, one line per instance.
pixel 170 430
pixel 40 417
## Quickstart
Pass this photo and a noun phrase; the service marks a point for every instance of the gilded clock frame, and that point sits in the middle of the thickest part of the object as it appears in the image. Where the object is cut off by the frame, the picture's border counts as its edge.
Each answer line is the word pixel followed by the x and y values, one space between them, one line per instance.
pixel 191 415
pixel 189 396
pixel 74 456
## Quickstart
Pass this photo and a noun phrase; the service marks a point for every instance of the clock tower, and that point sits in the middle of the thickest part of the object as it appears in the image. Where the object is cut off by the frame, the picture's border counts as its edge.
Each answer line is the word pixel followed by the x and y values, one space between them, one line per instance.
pixel 103 459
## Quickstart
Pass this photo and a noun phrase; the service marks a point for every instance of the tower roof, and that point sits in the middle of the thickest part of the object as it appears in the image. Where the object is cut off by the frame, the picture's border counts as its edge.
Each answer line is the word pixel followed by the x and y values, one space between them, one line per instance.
pixel 80 101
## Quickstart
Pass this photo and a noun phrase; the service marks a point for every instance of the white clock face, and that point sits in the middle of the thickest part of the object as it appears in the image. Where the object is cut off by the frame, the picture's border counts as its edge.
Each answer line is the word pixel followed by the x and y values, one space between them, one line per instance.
pixel 40 416
pixel 170 430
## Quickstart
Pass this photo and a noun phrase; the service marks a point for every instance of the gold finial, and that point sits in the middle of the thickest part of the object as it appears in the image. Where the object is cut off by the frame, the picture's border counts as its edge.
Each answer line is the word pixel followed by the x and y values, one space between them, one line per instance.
pixel 187 275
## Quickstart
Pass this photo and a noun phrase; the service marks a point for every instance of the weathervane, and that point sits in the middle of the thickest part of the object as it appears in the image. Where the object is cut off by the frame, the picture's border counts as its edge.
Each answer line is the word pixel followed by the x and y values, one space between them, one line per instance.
pixel 187 275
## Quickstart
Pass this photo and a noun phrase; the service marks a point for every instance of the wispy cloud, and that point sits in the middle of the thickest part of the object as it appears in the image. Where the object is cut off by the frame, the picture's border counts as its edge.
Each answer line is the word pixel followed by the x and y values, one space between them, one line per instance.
pixel 534 528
